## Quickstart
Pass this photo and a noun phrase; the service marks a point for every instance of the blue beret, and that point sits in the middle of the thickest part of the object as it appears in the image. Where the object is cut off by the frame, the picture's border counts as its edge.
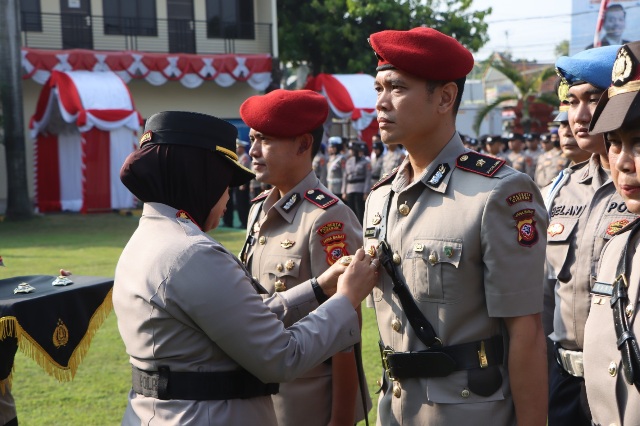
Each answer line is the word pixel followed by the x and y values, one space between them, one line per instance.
pixel 591 66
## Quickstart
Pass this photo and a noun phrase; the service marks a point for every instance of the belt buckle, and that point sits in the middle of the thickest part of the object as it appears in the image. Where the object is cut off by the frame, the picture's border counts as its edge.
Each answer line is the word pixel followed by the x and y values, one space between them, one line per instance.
pixel 387 351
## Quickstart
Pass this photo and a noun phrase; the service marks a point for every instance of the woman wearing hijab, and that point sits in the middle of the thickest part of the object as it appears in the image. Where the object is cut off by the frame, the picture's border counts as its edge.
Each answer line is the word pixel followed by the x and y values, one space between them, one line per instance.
pixel 205 348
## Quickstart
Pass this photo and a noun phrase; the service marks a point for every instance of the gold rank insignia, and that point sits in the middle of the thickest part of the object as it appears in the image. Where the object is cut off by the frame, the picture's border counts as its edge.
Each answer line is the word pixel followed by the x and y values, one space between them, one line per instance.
pixel 622 68
pixel 60 334
pixel 146 137
pixel 290 264
pixel 287 244
pixel 464 158
pixel 480 163
pixel 376 219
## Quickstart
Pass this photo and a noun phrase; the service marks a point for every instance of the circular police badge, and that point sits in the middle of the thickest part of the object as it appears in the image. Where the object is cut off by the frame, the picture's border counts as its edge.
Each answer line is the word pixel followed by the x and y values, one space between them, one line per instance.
pixel 563 90
pixel 622 68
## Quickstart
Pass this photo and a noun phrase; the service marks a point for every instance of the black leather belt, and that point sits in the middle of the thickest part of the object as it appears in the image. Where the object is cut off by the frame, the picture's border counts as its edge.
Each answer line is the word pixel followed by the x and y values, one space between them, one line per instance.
pixel 165 384
pixel 443 361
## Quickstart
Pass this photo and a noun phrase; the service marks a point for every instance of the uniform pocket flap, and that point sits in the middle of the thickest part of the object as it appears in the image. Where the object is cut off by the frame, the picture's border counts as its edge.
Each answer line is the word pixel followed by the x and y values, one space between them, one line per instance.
pixel 283 266
pixel 454 389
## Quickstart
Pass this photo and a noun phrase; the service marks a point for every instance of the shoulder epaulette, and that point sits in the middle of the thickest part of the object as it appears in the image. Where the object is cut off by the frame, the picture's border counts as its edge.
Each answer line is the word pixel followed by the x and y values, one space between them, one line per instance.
pixel 262 195
pixel 320 198
pixel 481 164
pixel 386 178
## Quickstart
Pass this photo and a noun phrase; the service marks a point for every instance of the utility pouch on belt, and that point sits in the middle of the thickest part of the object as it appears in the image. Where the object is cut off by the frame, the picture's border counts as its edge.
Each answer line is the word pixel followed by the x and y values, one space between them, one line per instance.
pixel 165 384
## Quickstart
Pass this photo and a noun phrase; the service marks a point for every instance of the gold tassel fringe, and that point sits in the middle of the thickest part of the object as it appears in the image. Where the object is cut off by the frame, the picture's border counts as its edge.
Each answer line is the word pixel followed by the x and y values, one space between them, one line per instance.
pixel 9 327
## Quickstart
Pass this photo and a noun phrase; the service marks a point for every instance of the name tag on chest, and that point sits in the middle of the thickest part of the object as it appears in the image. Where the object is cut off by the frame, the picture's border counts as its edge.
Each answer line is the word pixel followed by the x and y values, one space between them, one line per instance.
pixel 602 289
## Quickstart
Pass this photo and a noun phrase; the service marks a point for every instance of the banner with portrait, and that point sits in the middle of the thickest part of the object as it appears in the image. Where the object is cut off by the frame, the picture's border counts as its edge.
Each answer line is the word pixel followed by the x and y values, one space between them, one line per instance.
pixel 619 24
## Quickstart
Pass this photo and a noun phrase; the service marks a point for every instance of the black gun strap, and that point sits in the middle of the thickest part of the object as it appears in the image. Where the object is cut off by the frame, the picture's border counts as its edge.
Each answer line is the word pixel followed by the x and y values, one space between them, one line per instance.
pixel 249 241
pixel 627 342
pixel 420 325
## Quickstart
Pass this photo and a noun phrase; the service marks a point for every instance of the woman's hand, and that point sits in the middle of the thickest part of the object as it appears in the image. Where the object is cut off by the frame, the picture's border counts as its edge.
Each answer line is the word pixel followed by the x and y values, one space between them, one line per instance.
pixel 328 281
pixel 359 277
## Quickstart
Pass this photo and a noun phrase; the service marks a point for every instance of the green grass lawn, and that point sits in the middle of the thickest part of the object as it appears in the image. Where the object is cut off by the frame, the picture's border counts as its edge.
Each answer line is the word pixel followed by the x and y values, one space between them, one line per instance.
pixel 91 245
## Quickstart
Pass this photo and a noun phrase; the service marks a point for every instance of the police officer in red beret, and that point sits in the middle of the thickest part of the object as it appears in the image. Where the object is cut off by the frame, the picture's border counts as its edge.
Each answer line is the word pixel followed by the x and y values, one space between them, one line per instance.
pixel 295 232
pixel 461 237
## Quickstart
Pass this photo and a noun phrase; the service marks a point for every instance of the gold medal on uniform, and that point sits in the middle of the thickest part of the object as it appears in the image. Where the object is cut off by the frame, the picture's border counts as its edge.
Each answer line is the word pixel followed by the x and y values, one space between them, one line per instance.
pixel 371 251
pixel 286 244
pixel 289 265
pixel 279 286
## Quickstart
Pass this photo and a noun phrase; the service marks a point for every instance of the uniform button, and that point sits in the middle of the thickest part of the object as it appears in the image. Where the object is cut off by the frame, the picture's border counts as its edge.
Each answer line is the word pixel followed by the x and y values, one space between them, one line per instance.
pixel 397 391
pixel 404 209
pixel 279 286
pixel 279 267
pixel 396 258
pixel 613 368
pixel 629 310
pixel 465 393
pixel 433 258
pixel 262 240
pixel 396 324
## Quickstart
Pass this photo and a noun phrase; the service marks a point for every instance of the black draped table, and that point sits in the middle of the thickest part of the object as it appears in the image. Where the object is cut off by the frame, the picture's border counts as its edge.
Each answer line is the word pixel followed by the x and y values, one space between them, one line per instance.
pixel 53 325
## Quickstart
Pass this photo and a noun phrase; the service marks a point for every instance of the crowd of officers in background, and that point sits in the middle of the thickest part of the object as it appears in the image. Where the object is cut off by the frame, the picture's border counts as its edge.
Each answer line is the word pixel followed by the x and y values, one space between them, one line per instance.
pixel 349 168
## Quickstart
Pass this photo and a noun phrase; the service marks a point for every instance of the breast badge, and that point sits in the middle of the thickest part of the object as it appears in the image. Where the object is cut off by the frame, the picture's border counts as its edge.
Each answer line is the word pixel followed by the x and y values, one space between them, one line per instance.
pixel 526 226
pixel 555 229
pixel 287 244
pixel 616 226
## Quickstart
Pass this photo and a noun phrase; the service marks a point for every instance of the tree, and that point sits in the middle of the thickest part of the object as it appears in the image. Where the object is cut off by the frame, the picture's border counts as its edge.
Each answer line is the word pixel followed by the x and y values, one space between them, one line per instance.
pixel 527 91
pixel 330 36
pixel 562 48
pixel 18 203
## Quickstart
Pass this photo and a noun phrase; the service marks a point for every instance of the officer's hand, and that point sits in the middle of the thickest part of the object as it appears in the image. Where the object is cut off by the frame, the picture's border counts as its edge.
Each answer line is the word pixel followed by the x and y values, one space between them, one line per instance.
pixel 359 278
pixel 328 281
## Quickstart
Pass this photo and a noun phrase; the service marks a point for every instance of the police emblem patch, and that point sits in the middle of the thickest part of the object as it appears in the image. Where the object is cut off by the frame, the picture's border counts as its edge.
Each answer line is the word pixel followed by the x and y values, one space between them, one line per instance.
pixel 60 334
pixel 616 226
pixel 439 174
pixel 330 227
pixel 291 202
pixel 336 251
pixel 622 68
pixel 526 226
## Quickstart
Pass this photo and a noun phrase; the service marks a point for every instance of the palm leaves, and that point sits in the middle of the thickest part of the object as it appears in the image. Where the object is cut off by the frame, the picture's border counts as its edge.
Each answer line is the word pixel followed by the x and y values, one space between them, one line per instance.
pixel 528 89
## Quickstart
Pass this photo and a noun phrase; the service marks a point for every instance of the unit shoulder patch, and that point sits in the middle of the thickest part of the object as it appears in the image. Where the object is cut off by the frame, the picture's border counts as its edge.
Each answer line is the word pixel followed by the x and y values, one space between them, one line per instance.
pixel 386 178
pixel 479 164
pixel 320 198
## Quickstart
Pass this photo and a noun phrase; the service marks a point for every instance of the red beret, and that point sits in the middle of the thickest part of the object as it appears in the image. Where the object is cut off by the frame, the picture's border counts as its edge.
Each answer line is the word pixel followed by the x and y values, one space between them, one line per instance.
pixel 422 52
pixel 285 113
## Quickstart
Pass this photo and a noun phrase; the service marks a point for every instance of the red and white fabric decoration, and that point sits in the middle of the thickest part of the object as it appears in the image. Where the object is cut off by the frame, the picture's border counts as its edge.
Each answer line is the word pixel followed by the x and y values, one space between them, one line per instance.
pixel 350 96
pixel 84 126
pixel 155 68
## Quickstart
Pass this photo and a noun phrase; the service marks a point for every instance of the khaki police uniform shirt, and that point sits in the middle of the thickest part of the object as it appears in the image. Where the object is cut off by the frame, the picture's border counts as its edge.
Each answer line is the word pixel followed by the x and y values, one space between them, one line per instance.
pixel 522 162
pixel 584 214
pixel 391 160
pixel 182 300
pixel 294 240
pixel 612 400
pixel 357 176
pixel 548 166
pixel 335 173
pixel 319 165
pixel 472 252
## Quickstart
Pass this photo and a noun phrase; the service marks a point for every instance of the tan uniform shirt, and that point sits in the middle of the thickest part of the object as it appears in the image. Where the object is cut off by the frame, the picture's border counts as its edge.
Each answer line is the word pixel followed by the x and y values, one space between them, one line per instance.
pixel 182 300
pixel 585 213
pixel 293 241
pixel 320 167
pixel 335 173
pixel 548 166
pixel 611 399
pixel 522 162
pixel 391 160
pixel 357 176
pixel 469 259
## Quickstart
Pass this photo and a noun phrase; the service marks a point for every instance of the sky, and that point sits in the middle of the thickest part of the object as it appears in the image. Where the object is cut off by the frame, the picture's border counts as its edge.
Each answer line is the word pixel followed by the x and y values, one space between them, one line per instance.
pixel 528 29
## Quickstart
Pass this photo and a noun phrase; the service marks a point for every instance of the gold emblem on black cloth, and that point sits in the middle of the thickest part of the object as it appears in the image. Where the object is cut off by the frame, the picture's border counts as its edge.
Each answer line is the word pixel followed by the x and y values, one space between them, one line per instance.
pixel 60 334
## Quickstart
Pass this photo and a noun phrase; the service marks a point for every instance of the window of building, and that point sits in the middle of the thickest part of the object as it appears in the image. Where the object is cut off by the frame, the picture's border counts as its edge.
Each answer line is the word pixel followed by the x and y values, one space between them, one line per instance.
pixel 230 19
pixel 30 17
pixel 130 17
